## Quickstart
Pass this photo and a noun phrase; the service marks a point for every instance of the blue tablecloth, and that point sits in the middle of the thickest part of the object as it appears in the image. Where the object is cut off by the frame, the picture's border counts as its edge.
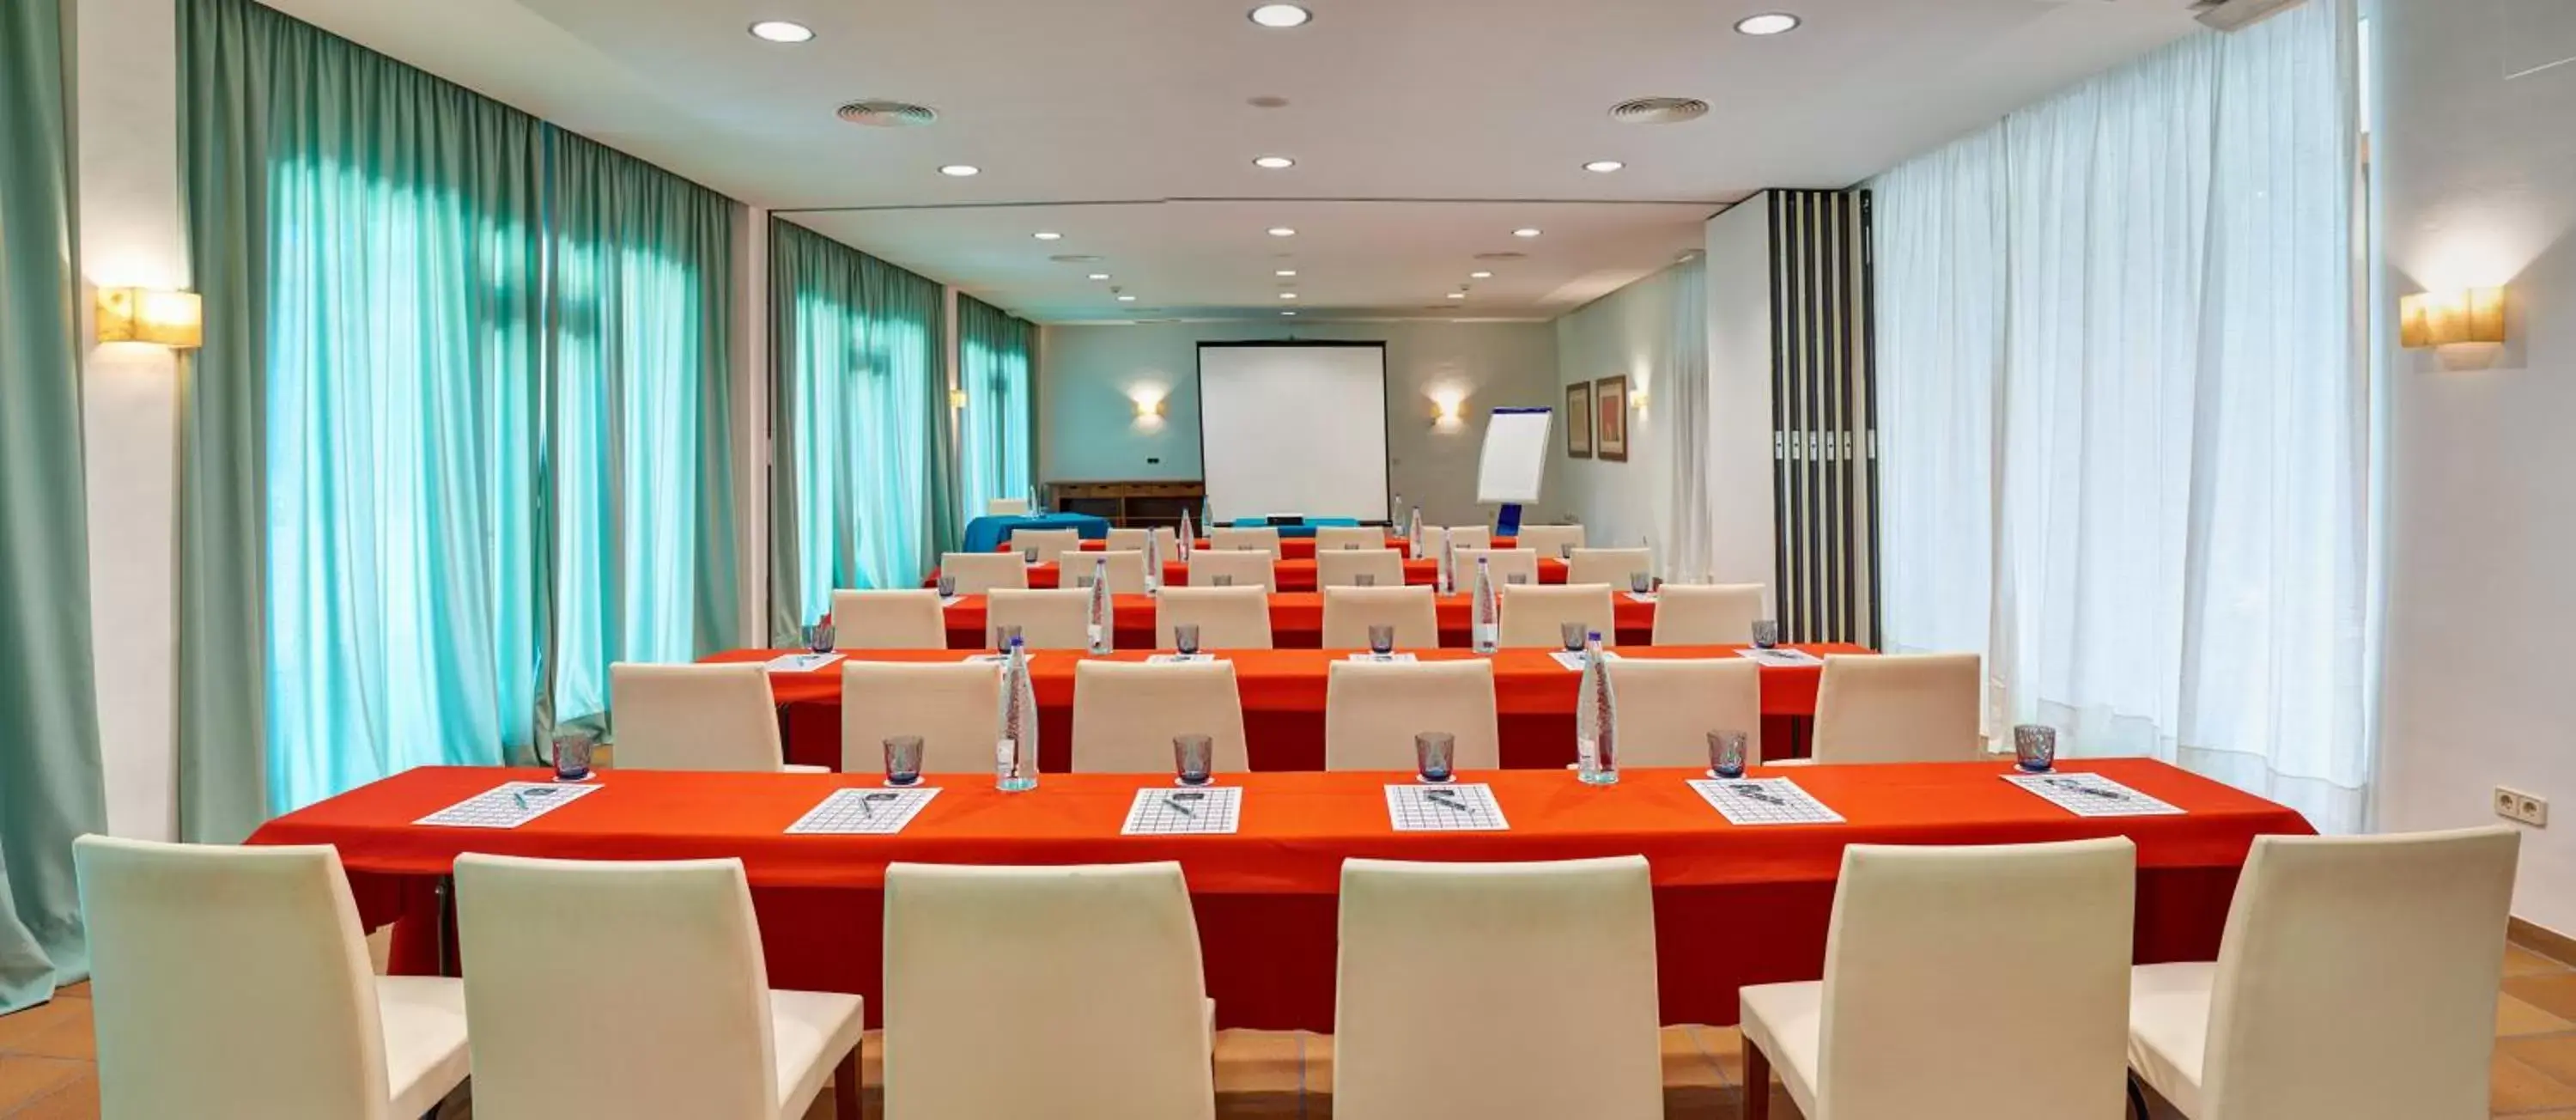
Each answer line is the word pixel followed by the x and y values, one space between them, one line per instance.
pixel 984 534
pixel 1306 530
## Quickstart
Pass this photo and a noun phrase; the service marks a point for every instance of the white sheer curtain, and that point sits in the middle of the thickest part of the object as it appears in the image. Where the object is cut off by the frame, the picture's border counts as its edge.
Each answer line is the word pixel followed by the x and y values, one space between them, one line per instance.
pixel 2123 412
pixel 1691 551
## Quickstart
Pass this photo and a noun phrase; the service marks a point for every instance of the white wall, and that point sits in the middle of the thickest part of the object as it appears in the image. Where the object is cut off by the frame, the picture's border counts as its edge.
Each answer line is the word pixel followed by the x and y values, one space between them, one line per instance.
pixel 1738 249
pixel 1628 333
pixel 1089 431
pixel 2478 187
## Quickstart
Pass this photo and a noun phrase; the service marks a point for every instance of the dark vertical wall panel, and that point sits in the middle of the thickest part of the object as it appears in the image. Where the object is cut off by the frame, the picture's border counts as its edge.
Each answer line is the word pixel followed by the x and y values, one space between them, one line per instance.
pixel 1824 414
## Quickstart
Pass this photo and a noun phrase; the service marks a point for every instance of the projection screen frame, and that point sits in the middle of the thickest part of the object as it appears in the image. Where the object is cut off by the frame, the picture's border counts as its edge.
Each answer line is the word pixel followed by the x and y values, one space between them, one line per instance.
pixel 1386 422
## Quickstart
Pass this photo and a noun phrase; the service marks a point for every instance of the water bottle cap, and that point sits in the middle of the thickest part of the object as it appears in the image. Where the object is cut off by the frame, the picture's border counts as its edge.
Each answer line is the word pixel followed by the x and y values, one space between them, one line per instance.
pixel 1015 641
pixel 1596 635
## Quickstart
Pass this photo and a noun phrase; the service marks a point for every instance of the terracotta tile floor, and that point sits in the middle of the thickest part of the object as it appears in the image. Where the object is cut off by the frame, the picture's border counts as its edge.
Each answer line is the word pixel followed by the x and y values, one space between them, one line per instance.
pixel 47 1071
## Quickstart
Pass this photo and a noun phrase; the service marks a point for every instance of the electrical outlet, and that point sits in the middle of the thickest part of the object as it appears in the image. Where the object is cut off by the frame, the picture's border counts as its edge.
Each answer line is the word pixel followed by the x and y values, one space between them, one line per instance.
pixel 2528 808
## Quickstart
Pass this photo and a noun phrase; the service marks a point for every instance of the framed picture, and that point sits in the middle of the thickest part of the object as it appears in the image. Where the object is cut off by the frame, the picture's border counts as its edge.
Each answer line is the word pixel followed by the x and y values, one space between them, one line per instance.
pixel 1610 396
pixel 1578 421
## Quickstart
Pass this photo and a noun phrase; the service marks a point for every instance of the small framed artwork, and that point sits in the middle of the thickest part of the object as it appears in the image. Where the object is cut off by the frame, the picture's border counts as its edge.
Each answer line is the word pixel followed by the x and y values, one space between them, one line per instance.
pixel 1578 421
pixel 1610 396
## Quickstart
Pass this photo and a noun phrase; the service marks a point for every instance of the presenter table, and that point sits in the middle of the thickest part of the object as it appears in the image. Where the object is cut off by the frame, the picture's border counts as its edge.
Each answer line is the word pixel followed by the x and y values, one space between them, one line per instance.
pixel 992 533
pixel 1733 905
pixel 1296 621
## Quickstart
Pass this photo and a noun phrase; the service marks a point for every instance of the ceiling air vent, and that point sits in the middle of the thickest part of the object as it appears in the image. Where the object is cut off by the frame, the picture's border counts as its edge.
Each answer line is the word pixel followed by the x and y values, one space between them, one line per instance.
pixel 1502 256
pixel 1659 110
pixel 1075 258
pixel 876 113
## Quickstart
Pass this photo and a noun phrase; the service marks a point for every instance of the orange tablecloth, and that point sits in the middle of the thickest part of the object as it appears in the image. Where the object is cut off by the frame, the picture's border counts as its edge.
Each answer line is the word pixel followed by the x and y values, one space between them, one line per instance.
pixel 1296 621
pixel 1292 575
pixel 1734 905
pixel 1290 548
pixel 1283 701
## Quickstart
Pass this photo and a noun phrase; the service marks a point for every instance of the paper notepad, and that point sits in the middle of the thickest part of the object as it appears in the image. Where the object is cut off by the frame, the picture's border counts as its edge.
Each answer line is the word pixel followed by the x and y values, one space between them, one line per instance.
pixel 2092 795
pixel 1464 807
pixel 864 812
pixel 1759 801
pixel 1635 597
pixel 1573 662
pixel 1181 659
pixel 995 658
pixel 508 805
pixel 801 662
pixel 1781 658
pixel 950 601
pixel 1205 811
pixel 1390 659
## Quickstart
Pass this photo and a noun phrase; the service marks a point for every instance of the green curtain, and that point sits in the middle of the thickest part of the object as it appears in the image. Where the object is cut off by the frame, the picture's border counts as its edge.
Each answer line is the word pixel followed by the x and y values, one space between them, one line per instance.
pixel 996 456
pixel 640 412
pixel 856 425
pixel 50 784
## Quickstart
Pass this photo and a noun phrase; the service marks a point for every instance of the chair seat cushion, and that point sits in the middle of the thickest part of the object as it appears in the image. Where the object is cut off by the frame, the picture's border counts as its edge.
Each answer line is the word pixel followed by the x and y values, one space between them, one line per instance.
pixel 425 1052
pixel 811 1032
pixel 1788 1022
pixel 2169 1029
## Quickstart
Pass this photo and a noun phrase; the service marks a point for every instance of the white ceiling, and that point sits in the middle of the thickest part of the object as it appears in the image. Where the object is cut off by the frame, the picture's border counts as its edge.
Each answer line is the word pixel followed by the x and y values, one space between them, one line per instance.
pixel 1424 130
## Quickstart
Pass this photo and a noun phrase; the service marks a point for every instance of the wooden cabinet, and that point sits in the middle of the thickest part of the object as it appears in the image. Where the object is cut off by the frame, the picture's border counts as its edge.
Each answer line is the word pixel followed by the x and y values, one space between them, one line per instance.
pixel 1131 505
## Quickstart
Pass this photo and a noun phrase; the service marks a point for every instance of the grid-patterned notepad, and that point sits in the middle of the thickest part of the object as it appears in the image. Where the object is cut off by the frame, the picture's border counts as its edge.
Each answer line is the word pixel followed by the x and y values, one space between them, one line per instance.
pixel 1781 658
pixel 1466 807
pixel 801 662
pixel 864 812
pixel 1758 801
pixel 1634 597
pixel 508 805
pixel 1177 659
pixel 2092 795
pixel 951 600
pixel 1206 811
pixel 1574 661
pixel 1390 659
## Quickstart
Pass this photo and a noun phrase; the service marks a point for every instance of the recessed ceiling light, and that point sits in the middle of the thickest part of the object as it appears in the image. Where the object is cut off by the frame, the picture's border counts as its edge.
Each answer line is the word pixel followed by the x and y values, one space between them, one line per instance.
pixel 1126 299
pixel 1287 295
pixel 1282 231
pixel 1769 23
pixel 960 170
pixel 1281 15
pixel 781 31
pixel 1525 231
pixel 1285 272
pixel 1048 235
pixel 1274 163
pixel 1457 295
pixel 1100 276
pixel 1603 166
pixel 1480 276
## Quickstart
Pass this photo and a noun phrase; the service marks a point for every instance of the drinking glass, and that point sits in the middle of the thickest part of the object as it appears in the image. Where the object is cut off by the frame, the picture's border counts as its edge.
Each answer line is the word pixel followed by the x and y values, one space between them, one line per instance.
pixel 1565 552
pixel 1185 638
pixel 1641 582
pixel 2035 747
pixel 1431 753
pixel 1082 581
pixel 1003 636
pixel 572 755
pixel 1193 758
pixel 947 586
pixel 1029 555
pixel 818 637
pixel 1726 754
pixel 1766 633
pixel 1572 634
pixel 1381 639
pixel 1364 579
pixel 1224 581
pixel 1516 578
pixel 903 760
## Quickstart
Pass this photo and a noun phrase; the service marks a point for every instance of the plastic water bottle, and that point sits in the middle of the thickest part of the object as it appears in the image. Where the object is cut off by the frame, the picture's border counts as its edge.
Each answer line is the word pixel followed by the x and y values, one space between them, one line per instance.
pixel 1445 577
pixel 1596 720
pixel 1015 744
pixel 1487 629
pixel 1189 536
pixel 1101 634
pixel 1413 534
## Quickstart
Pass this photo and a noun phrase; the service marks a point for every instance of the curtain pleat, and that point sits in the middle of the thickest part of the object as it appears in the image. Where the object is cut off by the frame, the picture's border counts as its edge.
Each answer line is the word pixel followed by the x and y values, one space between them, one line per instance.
pixel 996 458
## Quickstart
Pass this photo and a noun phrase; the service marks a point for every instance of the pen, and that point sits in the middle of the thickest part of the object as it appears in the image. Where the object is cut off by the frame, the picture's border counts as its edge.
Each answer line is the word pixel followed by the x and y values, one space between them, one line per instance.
pixel 1446 797
pixel 2079 787
pixel 1756 793
pixel 1176 805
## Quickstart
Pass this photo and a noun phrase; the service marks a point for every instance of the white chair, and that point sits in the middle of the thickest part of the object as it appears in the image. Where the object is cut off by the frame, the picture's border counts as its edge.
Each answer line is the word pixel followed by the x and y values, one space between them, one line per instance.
pixel 1350 611
pixel 1543 972
pixel 979 572
pixel 1086 977
pixel 1919 707
pixel 1126 714
pixel 1051 544
pixel 1006 507
pixel 1128 540
pixel 1668 707
pixel 1166 545
pixel 1227 617
pixel 1252 568
pixel 1373 709
pixel 1383 566
pixel 1960 982
pixel 1719 614
pixel 1057 618
pixel 950 705
pixel 232 983
pixel 1226 538
pixel 1549 540
pixel 1338 538
pixel 1534 615
pixel 1616 567
pixel 654 965
pixel 1500 563
pixel 1126 570
pixel 1462 536
pixel 696 717
pixel 909 618
pixel 2356 981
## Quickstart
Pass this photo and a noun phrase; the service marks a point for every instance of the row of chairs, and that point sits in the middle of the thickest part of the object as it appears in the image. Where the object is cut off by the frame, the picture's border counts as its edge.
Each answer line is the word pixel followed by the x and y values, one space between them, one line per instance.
pixel 2356 981
pixel 1897 708
pixel 975 573
pixel 1164 544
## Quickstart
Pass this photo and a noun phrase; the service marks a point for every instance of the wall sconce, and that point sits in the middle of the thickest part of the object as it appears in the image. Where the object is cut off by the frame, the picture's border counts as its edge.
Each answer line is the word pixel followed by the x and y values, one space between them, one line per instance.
pixel 1447 414
pixel 2450 318
pixel 172 319
pixel 957 399
pixel 1149 406
pixel 1637 398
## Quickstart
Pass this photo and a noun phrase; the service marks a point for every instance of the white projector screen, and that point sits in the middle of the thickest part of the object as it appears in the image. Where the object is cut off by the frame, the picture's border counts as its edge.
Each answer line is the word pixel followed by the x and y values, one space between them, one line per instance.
pixel 1293 428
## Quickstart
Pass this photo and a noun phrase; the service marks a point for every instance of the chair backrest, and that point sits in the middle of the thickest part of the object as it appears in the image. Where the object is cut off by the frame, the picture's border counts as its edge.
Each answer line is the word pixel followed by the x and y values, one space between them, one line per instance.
pixel 1501 563
pixel 1707 614
pixel 1549 540
pixel 949 704
pixel 1126 714
pixel 230 982
pixel 1166 544
pixel 694 717
pixel 1050 543
pixel 1913 707
pixel 1533 615
pixel 1668 707
pixel 1227 617
pixel 1350 611
pixel 1088 977
pixel 910 618
pixel 1229 538
pixel 1342 568
pixel 1128 540
pixel 1373 709
pixel 1546 975
pixel 1979 981
pixel 2357 978
pixel 1335 538
pixel 980 572
pixel 1051 618
pixel 1247 568
pixel 1462 536
pixel 656 962
pixel 1126 570
pixel 1612 566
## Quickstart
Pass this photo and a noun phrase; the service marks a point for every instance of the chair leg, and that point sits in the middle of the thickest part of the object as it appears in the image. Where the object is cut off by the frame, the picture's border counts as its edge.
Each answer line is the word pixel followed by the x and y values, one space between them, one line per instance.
pixel 1757 1083
pixel 2138 1109
pixel 845 1087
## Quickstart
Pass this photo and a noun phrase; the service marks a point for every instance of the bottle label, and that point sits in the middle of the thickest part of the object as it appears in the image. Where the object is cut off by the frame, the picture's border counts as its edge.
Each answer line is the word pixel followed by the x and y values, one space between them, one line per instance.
pixel 1006 757
pixel 1587 754
pixel 1485 635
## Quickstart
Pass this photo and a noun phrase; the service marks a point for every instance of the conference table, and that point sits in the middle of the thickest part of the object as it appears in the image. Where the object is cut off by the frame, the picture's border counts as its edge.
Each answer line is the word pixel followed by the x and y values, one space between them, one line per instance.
pixel 1283 701
pixel 1734 905
pixel 1296 621
pixel 1290 548
pixel 1293 575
